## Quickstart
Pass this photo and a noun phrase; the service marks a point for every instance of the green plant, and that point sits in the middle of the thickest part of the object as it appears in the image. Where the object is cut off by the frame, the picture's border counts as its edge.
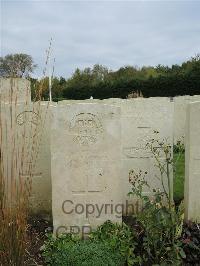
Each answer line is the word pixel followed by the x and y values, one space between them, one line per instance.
pixel 179 170
pixel 110 244
pixel 70 250
pixel 179 176
pixel 179 147
pixel 160 220
pixel 117 237
pixel 16 65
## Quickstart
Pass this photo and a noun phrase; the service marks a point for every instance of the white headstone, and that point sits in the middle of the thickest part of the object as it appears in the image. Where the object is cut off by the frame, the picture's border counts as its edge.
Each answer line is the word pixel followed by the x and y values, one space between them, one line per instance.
pixel 25 144
pixel 139 120
pixel 15 90
pixel 192 163
pixel 180 107
pixel 85 165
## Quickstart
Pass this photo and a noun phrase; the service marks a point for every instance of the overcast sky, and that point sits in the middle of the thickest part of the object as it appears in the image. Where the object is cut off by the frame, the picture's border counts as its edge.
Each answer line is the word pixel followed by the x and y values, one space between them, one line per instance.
pixel 112 33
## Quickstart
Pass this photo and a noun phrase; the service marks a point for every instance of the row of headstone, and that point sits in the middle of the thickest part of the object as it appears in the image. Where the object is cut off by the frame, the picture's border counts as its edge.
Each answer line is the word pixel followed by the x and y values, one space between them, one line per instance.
pixel 103 142
pixel 87 150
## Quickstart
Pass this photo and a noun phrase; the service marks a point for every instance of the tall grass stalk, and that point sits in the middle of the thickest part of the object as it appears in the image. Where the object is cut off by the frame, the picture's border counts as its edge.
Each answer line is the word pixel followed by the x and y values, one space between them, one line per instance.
pixel 20 139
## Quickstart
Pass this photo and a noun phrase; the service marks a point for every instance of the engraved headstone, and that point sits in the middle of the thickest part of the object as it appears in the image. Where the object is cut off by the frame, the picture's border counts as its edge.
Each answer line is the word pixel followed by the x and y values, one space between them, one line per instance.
pixel 140 119
pixel 85 165
pixel 25 147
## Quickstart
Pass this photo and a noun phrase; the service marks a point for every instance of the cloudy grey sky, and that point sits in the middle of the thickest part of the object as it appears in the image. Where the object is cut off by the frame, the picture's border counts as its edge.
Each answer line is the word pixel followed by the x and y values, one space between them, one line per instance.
pixel 112 33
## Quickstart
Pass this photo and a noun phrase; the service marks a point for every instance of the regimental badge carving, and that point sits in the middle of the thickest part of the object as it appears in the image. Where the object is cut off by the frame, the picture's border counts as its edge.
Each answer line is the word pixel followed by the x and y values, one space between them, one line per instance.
pixel 30 120
pixel 86 128
pixel 87 173
pixel 27 117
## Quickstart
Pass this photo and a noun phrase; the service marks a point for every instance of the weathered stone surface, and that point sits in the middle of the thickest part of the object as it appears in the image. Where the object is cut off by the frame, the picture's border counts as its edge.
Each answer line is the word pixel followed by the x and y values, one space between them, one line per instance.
pixel 85 165
pixel 41 198
pixel 15 90
pixel 180 106
pixel 192 165
pixel 139 121
pixel 25 144
pixel 91 139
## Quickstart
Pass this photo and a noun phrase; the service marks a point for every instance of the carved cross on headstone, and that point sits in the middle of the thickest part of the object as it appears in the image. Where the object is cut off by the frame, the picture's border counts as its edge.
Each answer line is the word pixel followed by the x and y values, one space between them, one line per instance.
pixel 87 176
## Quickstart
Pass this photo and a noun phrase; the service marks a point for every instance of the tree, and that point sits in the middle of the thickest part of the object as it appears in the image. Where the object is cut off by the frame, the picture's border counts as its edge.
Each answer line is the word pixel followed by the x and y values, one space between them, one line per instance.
pixel 99 72
pixel 16 65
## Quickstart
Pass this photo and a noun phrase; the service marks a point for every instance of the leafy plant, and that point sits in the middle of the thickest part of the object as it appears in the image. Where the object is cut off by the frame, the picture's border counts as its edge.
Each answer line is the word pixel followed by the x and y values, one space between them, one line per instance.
pixel 70 250
pixel 117 237
pixel 110 244
pixel 161 221
pixel 179 147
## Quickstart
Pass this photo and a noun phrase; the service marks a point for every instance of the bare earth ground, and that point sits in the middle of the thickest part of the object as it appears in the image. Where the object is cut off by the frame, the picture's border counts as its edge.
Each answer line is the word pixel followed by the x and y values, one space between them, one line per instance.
pixel 37 231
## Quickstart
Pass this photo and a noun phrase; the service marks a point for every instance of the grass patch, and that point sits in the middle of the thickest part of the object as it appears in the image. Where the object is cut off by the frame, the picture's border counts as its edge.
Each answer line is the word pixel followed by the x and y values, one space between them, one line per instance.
pixel 179 177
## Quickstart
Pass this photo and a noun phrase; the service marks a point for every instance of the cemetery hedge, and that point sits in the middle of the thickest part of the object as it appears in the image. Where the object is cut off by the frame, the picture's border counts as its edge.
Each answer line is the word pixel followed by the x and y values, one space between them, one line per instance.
pixel 102 83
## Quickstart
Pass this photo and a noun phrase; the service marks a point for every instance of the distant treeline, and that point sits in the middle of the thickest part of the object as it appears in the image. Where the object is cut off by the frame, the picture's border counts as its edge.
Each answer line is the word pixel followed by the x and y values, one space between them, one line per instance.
pixel 101 83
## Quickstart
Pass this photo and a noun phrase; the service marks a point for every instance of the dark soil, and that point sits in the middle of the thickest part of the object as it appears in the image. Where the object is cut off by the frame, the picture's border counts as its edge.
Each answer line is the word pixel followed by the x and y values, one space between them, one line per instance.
pixel 191 243
pixel 37 230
